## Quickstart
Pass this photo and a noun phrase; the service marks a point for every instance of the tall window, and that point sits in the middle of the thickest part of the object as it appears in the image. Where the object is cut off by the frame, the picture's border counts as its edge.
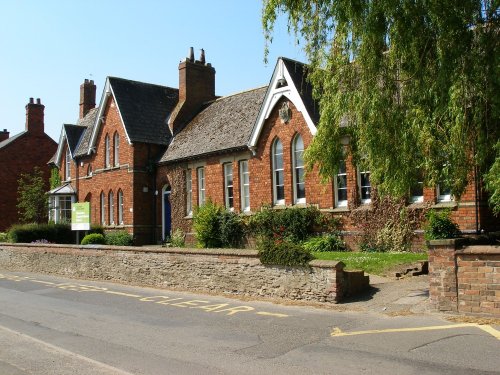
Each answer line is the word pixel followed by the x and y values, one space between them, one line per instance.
pixel 278 173
pixel 103 208
pixel 106 150
pixel 299 185
pixel 341 185
pixel 111 208
pixel 116 144
pixel 364 186
pixel 201 186
pixel 228 185
pixel 189 193
pixel 244 186
pixel 120 207
pixel 67 170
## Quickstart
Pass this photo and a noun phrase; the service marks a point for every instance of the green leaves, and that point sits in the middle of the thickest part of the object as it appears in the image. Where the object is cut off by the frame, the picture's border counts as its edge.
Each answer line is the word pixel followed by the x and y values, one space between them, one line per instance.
pixel 32 201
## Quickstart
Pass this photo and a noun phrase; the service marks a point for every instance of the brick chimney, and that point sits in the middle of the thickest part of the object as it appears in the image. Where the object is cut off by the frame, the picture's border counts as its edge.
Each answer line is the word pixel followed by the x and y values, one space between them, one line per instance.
pixel 4 134
pixel 87 97
pixel 34 116
pixel 196 87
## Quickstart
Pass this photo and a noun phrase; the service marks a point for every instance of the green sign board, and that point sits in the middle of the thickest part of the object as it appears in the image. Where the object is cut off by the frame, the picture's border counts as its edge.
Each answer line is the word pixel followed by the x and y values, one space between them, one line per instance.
pixel 80 216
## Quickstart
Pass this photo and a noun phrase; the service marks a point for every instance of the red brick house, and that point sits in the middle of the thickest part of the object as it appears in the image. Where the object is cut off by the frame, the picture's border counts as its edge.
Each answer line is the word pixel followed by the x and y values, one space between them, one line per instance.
pixel 149 154
pixel 20 154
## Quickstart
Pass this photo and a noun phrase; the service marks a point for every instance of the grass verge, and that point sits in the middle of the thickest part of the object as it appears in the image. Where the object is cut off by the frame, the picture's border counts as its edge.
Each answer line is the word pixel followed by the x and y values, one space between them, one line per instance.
pixel 374 263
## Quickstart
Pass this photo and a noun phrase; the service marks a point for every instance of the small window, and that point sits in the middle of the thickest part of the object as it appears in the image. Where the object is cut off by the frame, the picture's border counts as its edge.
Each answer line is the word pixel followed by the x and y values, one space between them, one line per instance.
pixel 120 207
pixel 67 169
pixel 201 186
pixel 116 144
pixel 189 193
pixel 417 191
pixel 299 184
pixel 228 185
pixel 341 185
pixel 89 170
pixel 443 192
pixel 278 173
pixel 364 186
pixel 111 208
pixel 107 152
pixel 103 208
pixel 244 186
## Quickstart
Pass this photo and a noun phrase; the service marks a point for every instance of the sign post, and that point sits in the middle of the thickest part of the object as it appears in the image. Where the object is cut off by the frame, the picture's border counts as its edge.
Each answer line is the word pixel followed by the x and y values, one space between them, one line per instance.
pixel 80 218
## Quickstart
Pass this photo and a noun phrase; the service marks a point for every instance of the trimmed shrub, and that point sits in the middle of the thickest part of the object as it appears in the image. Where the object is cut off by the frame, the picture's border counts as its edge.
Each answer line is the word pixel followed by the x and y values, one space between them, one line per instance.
pixel 96 228
pixel 328 242
pixel 93 239
pixel 178 238
pixel 119 238
pixel 4 237
pixel 440 226
pixel 284 253
pixel 232 229
pixel 53 233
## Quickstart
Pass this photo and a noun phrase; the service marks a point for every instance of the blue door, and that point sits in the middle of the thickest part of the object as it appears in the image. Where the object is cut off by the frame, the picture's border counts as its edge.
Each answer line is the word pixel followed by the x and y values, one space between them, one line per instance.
pixel 167 210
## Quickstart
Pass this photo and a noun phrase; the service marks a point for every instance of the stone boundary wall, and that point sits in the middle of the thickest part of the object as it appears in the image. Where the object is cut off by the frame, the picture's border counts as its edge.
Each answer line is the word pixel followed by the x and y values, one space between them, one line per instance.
pixel 219 271
pixel 464 278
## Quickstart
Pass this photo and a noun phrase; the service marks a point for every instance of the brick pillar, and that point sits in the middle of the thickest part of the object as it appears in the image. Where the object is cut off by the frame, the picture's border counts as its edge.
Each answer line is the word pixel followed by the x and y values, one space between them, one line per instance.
pixel 443 275
pixel 87 97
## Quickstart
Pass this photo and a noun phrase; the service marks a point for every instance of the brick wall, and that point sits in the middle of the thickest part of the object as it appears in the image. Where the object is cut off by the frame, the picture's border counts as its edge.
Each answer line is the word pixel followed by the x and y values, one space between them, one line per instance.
pixel 464 279
pixel 222 271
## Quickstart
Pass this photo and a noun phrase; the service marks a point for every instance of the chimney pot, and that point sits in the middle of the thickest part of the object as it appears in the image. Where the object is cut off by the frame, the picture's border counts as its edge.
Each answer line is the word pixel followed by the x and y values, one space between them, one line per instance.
pixel 38 101
pixel 191 54
pixel 31 101
pixel 202 56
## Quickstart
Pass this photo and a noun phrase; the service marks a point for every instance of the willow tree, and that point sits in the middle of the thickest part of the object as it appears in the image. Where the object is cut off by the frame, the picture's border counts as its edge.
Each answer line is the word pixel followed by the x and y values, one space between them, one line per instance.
pixel 414 83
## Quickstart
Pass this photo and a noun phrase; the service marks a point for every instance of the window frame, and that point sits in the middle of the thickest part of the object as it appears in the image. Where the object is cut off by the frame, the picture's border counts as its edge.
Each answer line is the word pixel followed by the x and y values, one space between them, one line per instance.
pixel 107 156
pixel 116 149
pixel 341 203
pixel 228 186
pixel 120 207
pixel 276 170
pixel 111 207
pixel 244 187
pixel 363 171
pixel 201 185
pixel 67 165
pixel 443 197
pixel 189 192
pixel 296 168
pixel 103 207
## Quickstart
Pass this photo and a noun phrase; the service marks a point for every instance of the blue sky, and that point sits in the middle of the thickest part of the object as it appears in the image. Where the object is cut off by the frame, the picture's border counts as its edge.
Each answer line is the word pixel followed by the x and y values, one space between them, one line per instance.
pixel 49 47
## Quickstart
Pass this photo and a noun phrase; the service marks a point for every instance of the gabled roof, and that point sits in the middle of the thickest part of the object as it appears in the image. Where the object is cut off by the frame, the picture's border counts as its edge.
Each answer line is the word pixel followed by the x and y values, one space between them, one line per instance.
pixel 9 140
pixel 88 123
pixel 65 189
pixel 289 80
pixel 226 124
pixel 73 136
pixel 143 108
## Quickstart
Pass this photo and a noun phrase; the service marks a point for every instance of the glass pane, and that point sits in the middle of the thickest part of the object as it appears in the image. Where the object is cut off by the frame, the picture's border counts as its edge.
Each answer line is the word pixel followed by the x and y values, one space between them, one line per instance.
pixel 418 190
pixel 341 181
pixel 301 191
pixel 299 175
pixel 342 167
pixel 279 178
pixel 280 193
pixel 365 192
pixel 342 194
pixel 365 178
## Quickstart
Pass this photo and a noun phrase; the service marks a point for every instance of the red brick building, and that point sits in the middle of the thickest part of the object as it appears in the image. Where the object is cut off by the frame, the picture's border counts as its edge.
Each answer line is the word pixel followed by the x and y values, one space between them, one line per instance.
pixel 149 154
pixel 20 154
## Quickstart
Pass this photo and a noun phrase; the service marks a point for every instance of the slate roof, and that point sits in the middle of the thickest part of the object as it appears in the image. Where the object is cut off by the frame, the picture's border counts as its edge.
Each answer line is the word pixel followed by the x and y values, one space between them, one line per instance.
pixel 145 108
pixel 88 122
pixel 73 136
pixel 298 72
pixel 9 140
pixel 224 125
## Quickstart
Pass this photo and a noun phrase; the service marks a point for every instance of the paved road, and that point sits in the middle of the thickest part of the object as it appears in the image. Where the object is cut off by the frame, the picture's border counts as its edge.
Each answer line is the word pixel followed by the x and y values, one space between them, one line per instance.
pixel 53 325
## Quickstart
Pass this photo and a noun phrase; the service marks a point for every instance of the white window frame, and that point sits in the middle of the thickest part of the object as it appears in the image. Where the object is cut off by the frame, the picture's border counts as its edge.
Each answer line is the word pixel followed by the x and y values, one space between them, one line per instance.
pixel 120 207
pixel 67 169
pixel 103 208
pixel 107 162
pixel 111 204
pixel 201 186
pixel 276 170
pixel 189 192
pixel 244 186
pixel 57 214
pixel 116 146
pixel 361 172
pixel 417 198
pixel 228 186
pixel 296 168
pixel 443 197
pixel 338 202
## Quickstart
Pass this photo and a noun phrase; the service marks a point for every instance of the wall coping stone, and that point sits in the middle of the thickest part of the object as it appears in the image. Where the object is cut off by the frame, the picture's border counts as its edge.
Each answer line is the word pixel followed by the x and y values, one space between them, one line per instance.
pixel 480 249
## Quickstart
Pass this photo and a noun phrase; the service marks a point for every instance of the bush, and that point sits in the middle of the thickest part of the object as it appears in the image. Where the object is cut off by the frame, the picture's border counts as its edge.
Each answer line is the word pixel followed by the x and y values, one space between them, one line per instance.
pixel 4 237
pixel 93 239
pixel 177 239
pixel 284 253
pixel 217 227
pixel 440 226
pixel 119 238
pixel 329 242
pixel 290 224
pixel 96 228
pixel 54 233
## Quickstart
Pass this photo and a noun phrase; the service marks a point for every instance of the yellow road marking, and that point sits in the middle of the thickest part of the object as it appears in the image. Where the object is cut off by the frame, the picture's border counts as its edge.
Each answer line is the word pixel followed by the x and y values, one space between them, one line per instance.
pixel 272 314
pixel 43 282
pixel 122 294
pixel 336 332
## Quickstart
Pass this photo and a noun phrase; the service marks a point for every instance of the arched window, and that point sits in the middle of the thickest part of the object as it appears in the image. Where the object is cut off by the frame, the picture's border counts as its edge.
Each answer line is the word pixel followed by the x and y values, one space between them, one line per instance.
pixel 111 204
pixel 278 173
pixel 120 207
pixel 116 144
pixel 67 169
pixel 106 150
pixel 89 170
pixel 103 208
pixel 299 185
